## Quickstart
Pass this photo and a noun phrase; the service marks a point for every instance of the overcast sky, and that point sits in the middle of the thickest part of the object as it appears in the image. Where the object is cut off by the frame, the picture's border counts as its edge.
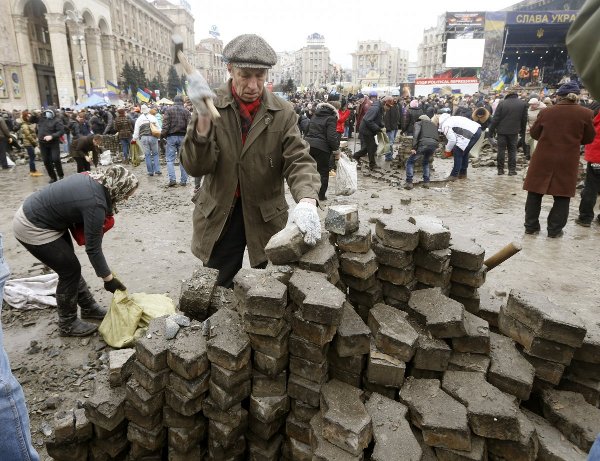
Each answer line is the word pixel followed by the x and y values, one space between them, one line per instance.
pixel 286 24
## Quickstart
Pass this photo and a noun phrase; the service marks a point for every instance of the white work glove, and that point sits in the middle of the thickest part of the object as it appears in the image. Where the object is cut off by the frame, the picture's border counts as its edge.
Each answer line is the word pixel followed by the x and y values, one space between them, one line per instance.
pixel 305 216
pixel 198 90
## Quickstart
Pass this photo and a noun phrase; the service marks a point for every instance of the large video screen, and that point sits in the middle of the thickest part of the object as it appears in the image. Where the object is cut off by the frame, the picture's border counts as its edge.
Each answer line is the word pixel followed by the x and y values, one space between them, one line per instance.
pixel 464 52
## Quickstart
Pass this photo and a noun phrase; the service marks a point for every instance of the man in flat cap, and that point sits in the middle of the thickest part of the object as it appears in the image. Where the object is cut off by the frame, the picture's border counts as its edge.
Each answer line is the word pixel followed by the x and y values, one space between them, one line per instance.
pixel 244 156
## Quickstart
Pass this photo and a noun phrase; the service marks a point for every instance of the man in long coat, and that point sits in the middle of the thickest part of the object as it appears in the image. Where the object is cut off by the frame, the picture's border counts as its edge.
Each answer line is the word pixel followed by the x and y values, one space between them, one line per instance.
pixel 559 130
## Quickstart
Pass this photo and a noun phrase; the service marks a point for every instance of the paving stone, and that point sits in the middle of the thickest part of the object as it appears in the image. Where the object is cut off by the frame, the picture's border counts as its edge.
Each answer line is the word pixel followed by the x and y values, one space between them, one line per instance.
pixel 461 361
pixel 187 354
pixel 151 348
pixel 397 233
pixel 286 246
pixel 268 409
pixel 546 319
pixel 183 404
pixel 112 448
pixel 342 219
pixel 190 388
pixel 477 339
pixel 268 365
pixel 426 374
pixel 229 345
pixel 265 430
pixel 393 257
pixel 585 370
pixel 276 347
pixel 299 347
pixel 358 241
pixel 260 450
pixel 196 452
pixel 470 304
pixel 589 388
pixel 568 411
pixel 590 349
pixel 552 444
pixel 524 449
pixel 324 450
pixel 119 366
pixel 83 426
pixel 489 307
pixel 388 392
pixel 385 370
pixel 443 316
pixel 428 452
pixel 260 293
pixel 225 399
pixel 392 332
pixel 391 431
pixel 466 253
pixel 430 353
pixel 509 371
pixel 197 292
pixel 319 300
pixel 144 402
pixel 222 298
pixel 226 435
pixel 550 372
pixel 321 258
pixel 359 284
pixel 145 421
pixel 233 416
pixel 105 408
pixel 186 438
pixel 464 291
pixel 312 371
pixel 64 427
pixel 304 390
pixel 471 278
pixel 434 261
pixel 353 336
pixel 360 265
pixel 266 386
pixel 296 429
pixel 368 297
pixel 433 235
pixel 266 326
pixel 150 380
pixel 537 347
pixel 345 376
pixel 478 452
pixel 315 333
pixel 302 410
pixel 295 450
pixel 149 439
pixel 67 452
pixel 172 418
pixel 346 422
pixel 434 279
pixel 442 419
pixel 492 413
pixel 353 364
pixel 398 293
pixel 235 452
pixel 396 276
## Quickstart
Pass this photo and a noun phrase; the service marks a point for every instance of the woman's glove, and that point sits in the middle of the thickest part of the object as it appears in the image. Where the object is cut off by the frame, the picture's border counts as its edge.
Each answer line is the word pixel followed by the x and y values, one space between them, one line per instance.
pixel 113 285
pixel 305 216
pixel 198 90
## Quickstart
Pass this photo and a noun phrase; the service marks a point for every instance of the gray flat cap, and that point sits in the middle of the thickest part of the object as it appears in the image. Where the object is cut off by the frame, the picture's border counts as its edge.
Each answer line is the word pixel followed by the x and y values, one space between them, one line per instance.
pixel 250 50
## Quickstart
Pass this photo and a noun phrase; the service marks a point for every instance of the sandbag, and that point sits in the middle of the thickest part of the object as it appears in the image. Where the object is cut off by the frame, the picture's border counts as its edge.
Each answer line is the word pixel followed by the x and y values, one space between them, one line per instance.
pixel 129 313
pixel 383 143
pixel 135 154
pixel 346 179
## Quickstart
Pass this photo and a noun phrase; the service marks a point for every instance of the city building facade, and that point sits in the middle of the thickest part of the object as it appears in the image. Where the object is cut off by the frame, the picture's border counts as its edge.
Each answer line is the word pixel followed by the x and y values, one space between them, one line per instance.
pixel 284 69
pixel 377 63
pixel 431 50
pixel 312 62
pixel 209 61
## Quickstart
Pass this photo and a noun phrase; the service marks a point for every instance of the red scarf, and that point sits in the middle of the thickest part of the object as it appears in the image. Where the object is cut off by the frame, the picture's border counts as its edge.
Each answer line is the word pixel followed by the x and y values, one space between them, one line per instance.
pixel 247 110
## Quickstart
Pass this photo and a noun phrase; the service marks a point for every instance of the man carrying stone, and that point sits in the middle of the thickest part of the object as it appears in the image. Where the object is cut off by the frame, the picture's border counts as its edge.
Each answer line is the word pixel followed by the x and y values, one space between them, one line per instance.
pixel 244 156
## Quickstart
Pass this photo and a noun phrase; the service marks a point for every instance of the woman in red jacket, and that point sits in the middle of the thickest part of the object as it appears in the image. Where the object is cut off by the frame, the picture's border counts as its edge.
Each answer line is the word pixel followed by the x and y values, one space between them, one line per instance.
pixel 591 188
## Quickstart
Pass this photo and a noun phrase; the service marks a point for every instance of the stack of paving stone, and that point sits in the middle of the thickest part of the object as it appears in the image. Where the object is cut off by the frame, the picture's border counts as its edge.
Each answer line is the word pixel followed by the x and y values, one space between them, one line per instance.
pixel 197 293
pixel 549 334
pixel 187 389
pixel 230 383
pixel 468 272
pixel 403 150
pixel 71 436
pixel 263 304
pixel 432 255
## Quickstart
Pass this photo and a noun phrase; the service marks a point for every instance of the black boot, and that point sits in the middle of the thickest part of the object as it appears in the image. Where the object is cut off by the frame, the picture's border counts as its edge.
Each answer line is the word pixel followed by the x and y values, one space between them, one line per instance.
pixel 90 309
pixel 68 323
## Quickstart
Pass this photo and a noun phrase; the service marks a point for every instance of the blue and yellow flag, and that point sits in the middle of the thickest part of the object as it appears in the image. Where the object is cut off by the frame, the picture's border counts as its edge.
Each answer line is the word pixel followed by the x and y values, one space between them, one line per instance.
pixel 142 95
pixel 112 88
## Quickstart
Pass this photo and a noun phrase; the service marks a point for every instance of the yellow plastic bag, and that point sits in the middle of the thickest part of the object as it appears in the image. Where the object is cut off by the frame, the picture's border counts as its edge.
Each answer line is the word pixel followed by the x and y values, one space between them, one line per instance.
pixel 128 313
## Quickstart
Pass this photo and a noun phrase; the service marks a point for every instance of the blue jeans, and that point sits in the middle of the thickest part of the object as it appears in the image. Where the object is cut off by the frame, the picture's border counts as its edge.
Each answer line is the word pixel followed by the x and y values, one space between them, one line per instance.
pixel 67 143
pixel 15 438
pixel 392 137
pixel 31 153
pixel 173 146
pixel 346 131
pixel 461 157
pixel 150 147
pixel 125 148
pixel 594 454
pixel 426 152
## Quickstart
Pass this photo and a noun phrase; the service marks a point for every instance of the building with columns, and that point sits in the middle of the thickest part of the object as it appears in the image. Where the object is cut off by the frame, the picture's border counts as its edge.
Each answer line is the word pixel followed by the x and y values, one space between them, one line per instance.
pixel 312 62
pixel 55 51
pixel 284 69
pixel 377 63
pixel 209 61
pixel 431 50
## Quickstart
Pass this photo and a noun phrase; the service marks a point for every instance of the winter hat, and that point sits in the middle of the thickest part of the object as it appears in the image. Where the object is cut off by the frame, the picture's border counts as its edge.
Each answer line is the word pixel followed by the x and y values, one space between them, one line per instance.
pixel 372 94
pixel 534 101
pixel 566 88
pixel 250 50
pixel 547 101
pixel 414 104
pixel 424 117
pixel 145 109
pixel 119 181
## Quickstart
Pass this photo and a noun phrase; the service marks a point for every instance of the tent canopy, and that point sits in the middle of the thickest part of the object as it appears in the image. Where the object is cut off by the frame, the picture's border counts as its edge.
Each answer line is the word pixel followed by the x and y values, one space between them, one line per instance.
pixel 93 100
pixel 164 101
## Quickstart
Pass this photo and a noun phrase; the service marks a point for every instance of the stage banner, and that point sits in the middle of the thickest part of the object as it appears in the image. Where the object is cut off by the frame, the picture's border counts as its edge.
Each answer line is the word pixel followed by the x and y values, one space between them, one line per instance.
pixel 540 18
pixel 465 19
pixel 446 86
pixel 495 22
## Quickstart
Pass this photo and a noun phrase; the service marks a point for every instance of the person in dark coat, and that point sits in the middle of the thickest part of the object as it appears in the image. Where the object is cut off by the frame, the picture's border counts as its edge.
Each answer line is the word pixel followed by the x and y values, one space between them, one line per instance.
pixel 50 129
pixel 425 142
pixel 412 115
pixel 81 148
pixel 560 131
pixel 323 140
pixel 391 119
pixel 371 124
pixel 42 225
pixel 509 121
